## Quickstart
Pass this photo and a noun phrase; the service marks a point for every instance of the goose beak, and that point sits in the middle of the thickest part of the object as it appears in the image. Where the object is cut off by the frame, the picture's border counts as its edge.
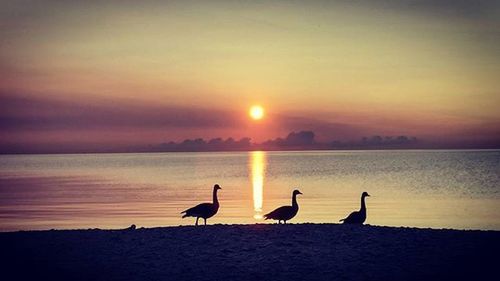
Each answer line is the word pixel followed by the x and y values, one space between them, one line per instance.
pixel 299 192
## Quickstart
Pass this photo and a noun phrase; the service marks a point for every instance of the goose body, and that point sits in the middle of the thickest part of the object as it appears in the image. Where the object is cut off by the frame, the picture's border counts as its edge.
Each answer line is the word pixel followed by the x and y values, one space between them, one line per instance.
pixel 204 210
pixel 358 217
pixel 285 213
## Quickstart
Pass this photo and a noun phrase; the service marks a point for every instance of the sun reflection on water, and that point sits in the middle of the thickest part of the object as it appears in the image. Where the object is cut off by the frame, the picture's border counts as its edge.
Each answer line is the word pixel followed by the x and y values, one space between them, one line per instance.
pixel 258 166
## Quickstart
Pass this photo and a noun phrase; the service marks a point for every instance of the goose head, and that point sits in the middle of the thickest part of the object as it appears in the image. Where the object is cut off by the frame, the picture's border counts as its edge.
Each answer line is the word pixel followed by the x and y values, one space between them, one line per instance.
pixel 217 187
pixel 296 192
pixel 365 194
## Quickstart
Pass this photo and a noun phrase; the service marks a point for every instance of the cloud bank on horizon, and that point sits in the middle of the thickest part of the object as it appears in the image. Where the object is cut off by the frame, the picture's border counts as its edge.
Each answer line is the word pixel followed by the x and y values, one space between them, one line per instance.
pixel 86 75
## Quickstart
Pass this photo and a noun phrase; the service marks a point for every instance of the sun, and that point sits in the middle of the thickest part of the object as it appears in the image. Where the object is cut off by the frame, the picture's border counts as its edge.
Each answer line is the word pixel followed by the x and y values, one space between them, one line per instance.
pixel 256 112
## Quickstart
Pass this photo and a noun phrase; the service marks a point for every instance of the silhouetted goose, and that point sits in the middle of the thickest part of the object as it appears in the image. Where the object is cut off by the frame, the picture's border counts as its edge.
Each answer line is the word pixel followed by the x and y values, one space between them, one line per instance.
pixel 286 212
pixel 204 210
pixel 358 217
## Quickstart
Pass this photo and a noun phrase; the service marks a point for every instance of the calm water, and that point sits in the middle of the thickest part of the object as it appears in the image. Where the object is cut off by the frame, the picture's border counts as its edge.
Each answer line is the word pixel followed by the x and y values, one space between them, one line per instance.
pixel 451 189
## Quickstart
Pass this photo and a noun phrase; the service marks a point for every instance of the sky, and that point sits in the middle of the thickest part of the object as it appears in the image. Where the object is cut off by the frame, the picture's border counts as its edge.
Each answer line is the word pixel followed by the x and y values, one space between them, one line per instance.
pixel 124 73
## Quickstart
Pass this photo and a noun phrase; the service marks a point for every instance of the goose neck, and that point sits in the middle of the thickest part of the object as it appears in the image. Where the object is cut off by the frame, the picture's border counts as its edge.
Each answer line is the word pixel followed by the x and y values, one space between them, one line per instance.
pixel 363 205
pixel 294 201
pixel 215 200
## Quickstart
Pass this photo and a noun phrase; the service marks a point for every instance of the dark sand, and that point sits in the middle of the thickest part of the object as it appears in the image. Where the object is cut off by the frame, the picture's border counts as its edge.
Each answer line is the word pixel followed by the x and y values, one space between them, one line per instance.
pixel 251 252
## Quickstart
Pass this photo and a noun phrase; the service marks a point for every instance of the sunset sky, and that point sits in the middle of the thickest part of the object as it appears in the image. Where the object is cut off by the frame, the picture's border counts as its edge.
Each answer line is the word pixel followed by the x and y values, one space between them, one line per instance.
pixel 124 73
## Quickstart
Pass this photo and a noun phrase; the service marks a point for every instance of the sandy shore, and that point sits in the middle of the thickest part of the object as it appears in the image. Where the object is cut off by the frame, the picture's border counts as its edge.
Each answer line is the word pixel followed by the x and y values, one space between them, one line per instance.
pixel 251 252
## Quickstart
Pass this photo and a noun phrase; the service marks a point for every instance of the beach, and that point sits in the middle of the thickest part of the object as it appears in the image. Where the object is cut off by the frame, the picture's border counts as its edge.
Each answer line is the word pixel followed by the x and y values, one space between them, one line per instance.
pixel 251 252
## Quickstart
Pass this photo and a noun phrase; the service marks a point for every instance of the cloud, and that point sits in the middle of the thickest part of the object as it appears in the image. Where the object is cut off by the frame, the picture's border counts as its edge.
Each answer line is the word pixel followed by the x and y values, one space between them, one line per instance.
pixel 18 113
pixel 480 9
pixel 300 139
pixel 31 123
pixel 324 130
pixel 306 140
pixel 31 113
pixel 199 144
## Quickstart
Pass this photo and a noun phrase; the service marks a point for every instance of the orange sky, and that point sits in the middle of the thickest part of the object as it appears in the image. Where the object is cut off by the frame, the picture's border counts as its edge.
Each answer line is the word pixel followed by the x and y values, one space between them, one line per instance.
pixel 345 70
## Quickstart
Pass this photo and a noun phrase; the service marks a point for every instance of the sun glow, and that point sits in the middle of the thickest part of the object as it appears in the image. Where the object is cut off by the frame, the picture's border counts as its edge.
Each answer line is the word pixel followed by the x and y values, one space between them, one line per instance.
pixel 256 112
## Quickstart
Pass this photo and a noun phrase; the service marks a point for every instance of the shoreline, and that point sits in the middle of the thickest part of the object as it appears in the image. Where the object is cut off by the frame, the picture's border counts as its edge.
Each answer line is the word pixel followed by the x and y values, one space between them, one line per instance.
pixel 243 225
pixel 251 252
pixel 265 150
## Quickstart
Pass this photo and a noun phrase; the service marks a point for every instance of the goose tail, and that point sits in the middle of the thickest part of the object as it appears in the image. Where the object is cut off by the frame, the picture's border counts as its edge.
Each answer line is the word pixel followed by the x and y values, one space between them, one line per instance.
pixel 342 220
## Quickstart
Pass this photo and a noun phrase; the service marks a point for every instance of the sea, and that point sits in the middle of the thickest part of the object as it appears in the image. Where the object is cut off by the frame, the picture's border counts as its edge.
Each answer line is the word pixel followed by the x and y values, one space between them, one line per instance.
pixel 457 189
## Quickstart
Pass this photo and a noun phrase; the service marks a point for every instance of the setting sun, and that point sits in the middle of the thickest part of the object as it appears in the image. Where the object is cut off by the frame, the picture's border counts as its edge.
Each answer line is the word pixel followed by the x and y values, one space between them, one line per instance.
pixel 256 112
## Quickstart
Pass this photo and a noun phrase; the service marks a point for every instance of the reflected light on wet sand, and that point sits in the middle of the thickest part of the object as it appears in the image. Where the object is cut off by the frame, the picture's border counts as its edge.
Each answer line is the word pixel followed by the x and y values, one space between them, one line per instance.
pixel 258 167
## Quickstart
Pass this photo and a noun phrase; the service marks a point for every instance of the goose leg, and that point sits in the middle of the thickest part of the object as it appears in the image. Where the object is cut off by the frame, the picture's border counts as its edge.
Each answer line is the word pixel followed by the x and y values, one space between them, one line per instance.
pixel 205 221
pixel 284 222
pixel 197 218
